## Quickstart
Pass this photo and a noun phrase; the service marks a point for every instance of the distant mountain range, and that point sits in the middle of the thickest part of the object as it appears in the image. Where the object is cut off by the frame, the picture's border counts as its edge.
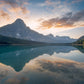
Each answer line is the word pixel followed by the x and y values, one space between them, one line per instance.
pixel 18 32
pixel 75 32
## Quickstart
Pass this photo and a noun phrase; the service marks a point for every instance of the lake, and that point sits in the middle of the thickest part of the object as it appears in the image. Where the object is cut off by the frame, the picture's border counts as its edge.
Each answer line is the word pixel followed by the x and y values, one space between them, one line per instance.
pixel 41 64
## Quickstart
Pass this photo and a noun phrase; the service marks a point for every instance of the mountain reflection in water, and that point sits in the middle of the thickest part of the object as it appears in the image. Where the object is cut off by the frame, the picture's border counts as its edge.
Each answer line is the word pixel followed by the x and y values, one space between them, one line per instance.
pixel 41 65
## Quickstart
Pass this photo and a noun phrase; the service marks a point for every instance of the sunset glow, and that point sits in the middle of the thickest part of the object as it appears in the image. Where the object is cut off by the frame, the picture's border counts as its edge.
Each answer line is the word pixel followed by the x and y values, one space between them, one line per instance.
pixel 44 16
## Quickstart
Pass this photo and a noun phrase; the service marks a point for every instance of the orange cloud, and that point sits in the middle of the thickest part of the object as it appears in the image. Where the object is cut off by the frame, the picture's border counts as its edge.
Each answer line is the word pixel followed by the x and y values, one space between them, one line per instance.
pixel 17 10
pixel 22 80
pixel 13 9
pixel 15 5
pixel 67 21
pixel 47 24
pixel 82 25
pixel 12 81
pixel 4 15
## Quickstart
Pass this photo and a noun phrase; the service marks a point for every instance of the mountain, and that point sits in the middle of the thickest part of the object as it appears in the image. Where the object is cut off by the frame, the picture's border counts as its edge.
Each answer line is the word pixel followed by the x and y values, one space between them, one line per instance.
pixel 18 30
pixel 80 40
pixel 75 33
pixel 11 40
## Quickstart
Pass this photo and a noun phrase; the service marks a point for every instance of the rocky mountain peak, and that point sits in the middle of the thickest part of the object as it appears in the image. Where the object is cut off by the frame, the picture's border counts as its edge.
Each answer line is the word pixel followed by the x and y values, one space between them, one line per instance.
pixel 19 22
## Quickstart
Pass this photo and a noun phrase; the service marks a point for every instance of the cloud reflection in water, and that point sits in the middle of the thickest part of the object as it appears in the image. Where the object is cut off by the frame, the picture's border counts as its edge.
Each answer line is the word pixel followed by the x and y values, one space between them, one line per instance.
pixel 42 68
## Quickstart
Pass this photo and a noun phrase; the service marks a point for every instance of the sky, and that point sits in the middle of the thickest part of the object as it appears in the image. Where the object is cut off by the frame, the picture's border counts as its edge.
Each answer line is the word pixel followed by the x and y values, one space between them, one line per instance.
pixel 45 16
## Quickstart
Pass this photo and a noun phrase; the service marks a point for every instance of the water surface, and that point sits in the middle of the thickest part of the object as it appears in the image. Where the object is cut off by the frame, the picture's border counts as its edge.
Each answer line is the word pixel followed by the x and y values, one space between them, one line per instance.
pixel 41 65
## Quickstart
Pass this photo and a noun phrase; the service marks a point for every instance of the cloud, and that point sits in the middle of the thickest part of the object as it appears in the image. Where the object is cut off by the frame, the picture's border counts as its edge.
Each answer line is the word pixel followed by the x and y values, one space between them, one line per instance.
pixel 12 3
pixel 12 81
pixel 56 70
pixel 52 2
pixel 63 5
pixel 22 80
pixel 59 7
pixel 15 5
pixel 4 15
pixel 68 20
pixel 78 16
pixel 76 1
pixel 12 9
pixel 56 5
pixel 18 10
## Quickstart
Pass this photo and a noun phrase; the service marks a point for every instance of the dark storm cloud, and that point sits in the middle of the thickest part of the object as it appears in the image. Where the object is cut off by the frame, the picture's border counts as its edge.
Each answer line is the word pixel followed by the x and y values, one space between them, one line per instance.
pixel 68 20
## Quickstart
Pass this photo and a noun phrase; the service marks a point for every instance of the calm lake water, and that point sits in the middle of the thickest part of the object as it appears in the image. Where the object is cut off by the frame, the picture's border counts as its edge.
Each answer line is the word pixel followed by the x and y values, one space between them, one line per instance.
pixel 41 65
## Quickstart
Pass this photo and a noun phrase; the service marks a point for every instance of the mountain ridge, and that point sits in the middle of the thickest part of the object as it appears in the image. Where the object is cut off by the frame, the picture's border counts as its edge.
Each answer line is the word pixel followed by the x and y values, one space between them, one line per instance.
pixel 19 30
pixel 73 32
